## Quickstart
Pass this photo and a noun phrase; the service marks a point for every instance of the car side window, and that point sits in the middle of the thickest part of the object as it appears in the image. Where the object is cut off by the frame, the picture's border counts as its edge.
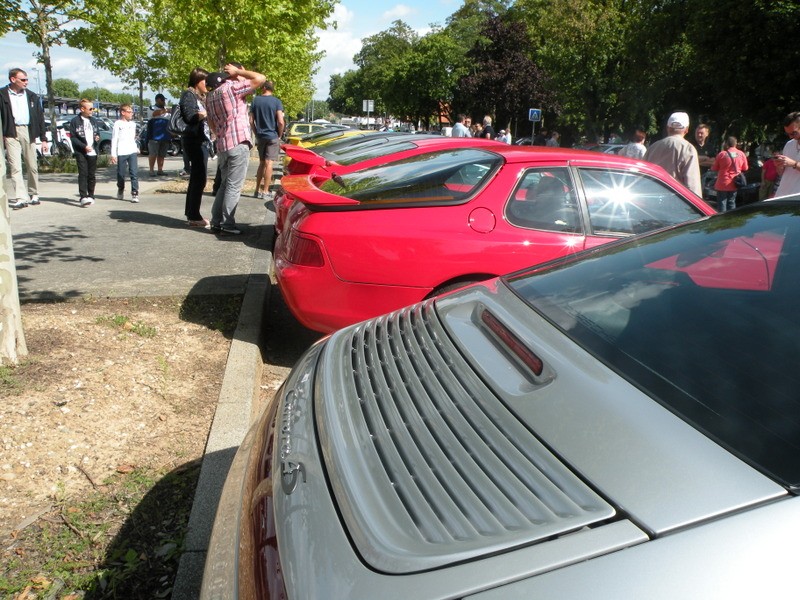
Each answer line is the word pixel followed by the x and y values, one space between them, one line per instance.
pixel 624 203
pixel 545 199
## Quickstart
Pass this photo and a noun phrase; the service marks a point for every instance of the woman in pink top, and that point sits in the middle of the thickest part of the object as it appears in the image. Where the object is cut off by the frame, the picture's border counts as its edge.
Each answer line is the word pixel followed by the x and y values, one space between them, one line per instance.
pixel 728 164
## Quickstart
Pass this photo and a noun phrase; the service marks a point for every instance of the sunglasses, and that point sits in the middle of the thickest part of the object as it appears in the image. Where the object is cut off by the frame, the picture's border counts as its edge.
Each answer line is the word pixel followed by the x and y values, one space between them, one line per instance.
pixel 20 79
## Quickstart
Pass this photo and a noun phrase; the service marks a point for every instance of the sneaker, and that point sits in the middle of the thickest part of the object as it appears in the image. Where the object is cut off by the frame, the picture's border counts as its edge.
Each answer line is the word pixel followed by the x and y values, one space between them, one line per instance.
pixel 134 197
pixel 229 231
pixel 17 204
pixel 183 173
pixel 87 201
pixel 34 200
pixel 214 228
pixel 120 194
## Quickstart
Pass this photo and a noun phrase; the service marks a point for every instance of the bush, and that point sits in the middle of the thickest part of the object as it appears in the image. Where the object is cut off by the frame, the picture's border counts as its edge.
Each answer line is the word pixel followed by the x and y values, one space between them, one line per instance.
pixel 67 164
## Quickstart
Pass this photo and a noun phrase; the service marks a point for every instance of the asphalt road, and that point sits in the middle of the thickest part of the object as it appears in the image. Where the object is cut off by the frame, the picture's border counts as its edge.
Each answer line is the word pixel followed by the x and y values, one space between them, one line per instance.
pixel 119 249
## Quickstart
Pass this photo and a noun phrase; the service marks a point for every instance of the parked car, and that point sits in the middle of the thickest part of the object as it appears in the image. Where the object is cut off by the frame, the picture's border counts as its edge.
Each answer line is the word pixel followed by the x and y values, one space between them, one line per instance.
pixel 359 156
pixel 297 129
pixel 338 150
pixel 622 424
pixel 360 244
pixel 323 136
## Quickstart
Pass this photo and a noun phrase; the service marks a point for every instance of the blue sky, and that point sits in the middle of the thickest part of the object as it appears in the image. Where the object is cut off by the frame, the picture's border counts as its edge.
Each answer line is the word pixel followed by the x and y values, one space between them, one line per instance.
pixel 356 20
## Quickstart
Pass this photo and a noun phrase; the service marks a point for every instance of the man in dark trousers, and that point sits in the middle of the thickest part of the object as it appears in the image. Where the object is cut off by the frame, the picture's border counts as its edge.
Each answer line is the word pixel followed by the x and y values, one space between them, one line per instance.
pixel 23 123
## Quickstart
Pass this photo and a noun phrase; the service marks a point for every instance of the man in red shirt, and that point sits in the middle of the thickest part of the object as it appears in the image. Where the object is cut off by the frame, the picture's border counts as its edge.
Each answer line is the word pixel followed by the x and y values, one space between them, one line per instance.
pixel 728 164
pixel 228 119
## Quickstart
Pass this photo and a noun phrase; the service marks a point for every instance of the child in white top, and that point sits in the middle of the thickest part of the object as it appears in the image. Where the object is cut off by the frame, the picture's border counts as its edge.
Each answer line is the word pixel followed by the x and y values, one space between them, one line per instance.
pixel 125 152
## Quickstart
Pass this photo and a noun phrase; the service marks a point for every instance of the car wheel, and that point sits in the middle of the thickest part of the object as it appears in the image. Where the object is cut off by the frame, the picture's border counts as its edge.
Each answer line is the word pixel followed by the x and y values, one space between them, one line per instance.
pixel 457 285
pixel 105 147
pixel 174 148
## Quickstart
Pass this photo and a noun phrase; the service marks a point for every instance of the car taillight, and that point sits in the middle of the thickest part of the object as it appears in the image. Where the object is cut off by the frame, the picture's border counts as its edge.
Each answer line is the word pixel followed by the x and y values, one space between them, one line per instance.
pixel 304 251
pixel 528 358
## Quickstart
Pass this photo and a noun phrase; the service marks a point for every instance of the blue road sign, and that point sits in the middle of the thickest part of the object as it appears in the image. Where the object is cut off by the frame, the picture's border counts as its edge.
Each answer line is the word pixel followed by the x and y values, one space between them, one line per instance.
pixel 534 114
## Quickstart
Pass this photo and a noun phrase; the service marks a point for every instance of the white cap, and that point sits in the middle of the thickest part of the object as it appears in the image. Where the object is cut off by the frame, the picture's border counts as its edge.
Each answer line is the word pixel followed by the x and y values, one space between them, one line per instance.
pixel 678 120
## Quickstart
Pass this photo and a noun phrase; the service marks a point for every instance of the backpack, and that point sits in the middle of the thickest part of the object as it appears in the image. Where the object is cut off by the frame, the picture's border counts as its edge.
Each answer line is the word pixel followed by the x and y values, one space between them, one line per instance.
pixel 177 125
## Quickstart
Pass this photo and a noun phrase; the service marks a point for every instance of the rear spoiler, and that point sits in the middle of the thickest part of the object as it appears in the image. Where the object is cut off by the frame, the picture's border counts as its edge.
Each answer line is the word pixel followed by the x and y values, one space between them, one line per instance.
pixel 303 188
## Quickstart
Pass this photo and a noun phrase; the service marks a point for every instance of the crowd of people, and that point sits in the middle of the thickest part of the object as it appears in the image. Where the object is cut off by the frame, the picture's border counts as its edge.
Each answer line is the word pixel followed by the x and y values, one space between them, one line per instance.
pixel 217 118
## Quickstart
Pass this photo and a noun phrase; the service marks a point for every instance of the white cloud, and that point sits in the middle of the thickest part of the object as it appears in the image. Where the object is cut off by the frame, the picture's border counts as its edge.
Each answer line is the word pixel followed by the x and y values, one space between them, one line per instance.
pixel 399 11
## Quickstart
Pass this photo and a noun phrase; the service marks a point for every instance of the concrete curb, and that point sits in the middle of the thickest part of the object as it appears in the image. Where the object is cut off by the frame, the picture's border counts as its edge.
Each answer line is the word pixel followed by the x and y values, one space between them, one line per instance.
pixel 238 399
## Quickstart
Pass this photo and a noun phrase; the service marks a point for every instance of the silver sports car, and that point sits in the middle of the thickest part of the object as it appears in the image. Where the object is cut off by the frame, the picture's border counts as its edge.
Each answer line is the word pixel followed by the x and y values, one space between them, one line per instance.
pixel 624 424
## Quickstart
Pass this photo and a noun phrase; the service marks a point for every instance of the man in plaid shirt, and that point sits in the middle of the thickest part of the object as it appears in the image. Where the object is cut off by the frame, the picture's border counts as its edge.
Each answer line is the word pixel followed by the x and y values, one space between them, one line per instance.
pixel 229 120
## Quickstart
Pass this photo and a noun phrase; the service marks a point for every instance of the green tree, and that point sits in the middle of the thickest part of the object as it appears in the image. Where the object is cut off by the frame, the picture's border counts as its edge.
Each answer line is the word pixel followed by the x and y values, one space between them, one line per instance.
pixel 379 58
pixel 346 93
pixel 274 38
pixel 581 44
pixel 425 78
pixel 122 37
pixel 65 88
pixel 504 81
pixel 44 24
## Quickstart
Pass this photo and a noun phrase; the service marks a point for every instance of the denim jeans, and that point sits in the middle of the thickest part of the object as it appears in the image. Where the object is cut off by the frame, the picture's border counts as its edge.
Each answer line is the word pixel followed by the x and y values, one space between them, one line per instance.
pixel 726 201
pixel 131 161
pixel 233 164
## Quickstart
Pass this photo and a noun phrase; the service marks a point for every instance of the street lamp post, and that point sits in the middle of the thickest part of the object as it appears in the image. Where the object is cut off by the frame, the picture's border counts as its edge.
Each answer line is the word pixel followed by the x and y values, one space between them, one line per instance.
pixel 96 95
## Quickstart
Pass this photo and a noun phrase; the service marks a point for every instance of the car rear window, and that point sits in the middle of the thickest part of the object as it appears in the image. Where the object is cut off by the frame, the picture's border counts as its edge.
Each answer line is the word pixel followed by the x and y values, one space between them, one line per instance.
pixel 442 176
pixel 372 150
pixel 703 318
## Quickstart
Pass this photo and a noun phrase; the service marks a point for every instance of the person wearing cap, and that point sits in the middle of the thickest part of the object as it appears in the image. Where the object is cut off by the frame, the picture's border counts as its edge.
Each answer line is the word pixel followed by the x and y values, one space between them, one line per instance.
pixel 676 155
pixel 228 118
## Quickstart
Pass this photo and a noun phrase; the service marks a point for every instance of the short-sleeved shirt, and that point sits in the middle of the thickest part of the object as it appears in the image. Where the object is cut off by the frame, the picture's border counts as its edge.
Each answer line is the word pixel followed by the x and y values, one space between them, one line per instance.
pixel 228 116
pixel 265 109
pixel 678 158
pixel 728 164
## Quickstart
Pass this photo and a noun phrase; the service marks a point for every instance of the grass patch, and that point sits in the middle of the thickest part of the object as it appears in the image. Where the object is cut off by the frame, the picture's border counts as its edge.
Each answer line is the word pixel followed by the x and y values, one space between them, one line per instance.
pixel 7 378
pixel 125 324
pixel 123 540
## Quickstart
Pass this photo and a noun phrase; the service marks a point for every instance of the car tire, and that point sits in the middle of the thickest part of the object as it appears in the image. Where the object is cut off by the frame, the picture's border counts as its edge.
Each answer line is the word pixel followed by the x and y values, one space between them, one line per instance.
pixel 174 148
pixel 105 147
pixel 457 285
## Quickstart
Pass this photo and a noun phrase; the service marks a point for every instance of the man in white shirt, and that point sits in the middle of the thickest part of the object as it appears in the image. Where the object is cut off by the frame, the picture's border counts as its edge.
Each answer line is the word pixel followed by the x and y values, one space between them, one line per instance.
pixel 790 180
pixel 23 123
pixel 459 129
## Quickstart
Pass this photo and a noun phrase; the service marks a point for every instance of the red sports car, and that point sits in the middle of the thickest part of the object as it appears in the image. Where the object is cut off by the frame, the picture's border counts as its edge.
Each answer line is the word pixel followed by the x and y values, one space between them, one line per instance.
pixel 380 238
pixel 361 153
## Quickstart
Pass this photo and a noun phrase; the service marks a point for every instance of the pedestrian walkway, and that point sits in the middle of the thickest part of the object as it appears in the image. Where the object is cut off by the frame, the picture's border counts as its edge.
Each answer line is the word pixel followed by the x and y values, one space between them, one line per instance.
pixel 120 249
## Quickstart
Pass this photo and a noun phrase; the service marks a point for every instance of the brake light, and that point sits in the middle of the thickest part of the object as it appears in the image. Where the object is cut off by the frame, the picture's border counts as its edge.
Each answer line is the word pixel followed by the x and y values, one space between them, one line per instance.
pixel 304 251
pixel 512 342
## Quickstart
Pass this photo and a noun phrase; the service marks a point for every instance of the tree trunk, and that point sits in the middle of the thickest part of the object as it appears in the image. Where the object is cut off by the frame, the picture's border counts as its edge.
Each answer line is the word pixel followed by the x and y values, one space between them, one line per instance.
pixel 12 338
